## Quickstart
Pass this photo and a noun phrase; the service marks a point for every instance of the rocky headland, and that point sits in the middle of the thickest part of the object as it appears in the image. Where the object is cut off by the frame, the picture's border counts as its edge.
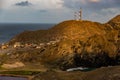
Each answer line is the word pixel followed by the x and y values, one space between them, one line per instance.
pixel 67 45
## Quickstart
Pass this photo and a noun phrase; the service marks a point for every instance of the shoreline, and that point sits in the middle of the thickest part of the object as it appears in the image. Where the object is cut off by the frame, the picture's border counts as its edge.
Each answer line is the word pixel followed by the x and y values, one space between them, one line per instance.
pixel 27 77
pixel 17 76
pixel 110 71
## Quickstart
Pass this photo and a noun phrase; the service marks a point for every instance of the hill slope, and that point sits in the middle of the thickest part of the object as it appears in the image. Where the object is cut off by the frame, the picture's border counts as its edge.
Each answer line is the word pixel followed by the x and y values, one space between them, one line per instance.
pixel 78 43
pixel 68 29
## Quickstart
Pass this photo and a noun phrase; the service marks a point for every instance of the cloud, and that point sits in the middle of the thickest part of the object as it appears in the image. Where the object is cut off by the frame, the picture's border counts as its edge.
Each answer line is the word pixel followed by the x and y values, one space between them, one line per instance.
pixel 95 1
pixel 47 4
pixel 91 4
pixel 57 4
pixel 32 4
pixel 43 11
pixel 1 3
pixel 23 3
pixel 57 10
pixel 96 10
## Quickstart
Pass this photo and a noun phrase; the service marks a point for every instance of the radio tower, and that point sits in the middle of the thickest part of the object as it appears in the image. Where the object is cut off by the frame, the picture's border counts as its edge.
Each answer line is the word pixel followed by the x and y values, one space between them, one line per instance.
pixel 75 15
pixel 80 14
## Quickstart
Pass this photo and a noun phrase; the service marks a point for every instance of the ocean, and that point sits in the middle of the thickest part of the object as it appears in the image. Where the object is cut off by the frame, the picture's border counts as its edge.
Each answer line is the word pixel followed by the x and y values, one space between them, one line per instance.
pixel 9 30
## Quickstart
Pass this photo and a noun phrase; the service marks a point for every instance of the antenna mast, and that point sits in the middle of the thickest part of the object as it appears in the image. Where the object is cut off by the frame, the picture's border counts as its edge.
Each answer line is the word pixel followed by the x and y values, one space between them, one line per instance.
pixel 75 15
pixel 80 14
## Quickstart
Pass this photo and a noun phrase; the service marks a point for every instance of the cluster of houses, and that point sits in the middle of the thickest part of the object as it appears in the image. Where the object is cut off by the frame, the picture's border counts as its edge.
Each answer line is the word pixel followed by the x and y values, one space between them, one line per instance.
pixel 4 46
pixel 27 45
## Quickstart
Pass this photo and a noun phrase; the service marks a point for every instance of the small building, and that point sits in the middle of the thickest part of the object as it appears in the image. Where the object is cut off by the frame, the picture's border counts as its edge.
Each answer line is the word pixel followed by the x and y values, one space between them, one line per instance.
pixel 17 44
pixel 48 43
pixel 53 42
pixel 38 47
pixel 42 44
pixel 4 46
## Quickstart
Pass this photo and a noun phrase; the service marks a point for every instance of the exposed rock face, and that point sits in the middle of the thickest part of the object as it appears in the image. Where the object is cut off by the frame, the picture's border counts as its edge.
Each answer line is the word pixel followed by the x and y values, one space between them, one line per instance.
pixel 81 43
pixel 115 22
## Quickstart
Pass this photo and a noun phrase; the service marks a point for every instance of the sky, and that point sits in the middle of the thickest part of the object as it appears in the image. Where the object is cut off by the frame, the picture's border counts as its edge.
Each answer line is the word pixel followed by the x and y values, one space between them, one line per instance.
pixel 55 11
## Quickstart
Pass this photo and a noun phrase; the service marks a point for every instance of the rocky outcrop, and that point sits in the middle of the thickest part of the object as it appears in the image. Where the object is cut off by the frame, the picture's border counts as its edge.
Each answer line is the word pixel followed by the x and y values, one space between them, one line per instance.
pixel 115 23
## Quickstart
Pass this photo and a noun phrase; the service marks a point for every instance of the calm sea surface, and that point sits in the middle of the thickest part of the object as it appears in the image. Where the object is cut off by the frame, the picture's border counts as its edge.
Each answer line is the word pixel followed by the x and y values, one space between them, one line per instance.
pixel 12 78
pixel 7 31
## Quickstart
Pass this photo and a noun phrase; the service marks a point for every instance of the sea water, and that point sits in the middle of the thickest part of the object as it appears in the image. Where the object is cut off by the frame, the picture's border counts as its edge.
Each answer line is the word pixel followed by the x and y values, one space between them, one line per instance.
pixel 12 78
pixel 9 30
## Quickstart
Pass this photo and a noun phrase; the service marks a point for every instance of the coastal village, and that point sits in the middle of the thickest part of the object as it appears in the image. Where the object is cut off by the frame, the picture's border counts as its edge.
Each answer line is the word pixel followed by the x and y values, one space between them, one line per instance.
pixel 16 45
pixel 19 45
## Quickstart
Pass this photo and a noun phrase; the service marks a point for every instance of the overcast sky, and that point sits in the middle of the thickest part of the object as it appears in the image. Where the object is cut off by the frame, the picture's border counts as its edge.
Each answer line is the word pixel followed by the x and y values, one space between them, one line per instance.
pixel 55 11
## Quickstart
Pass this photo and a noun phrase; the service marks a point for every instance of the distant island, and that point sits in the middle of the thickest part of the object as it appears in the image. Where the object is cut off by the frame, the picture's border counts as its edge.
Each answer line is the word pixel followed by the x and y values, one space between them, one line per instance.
pixel 69 44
